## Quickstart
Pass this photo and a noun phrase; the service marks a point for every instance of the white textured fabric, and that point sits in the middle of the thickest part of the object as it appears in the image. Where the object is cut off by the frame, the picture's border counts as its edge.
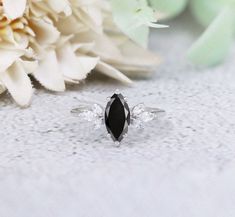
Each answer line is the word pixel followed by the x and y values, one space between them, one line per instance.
pixel 182 167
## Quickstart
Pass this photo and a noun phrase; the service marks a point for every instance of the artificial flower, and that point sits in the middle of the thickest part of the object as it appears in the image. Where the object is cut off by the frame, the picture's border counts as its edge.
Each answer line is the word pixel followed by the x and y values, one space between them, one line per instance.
pixel 61 41
pixel 168 8
pixel 134 18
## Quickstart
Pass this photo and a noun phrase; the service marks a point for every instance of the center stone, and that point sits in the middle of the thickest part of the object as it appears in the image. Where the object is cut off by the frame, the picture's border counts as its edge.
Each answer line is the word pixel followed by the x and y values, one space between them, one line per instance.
pixel 117 117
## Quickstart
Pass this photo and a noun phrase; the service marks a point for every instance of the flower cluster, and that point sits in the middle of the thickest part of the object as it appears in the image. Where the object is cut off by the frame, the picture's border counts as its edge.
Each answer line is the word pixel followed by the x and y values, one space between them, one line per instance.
pixel 58 42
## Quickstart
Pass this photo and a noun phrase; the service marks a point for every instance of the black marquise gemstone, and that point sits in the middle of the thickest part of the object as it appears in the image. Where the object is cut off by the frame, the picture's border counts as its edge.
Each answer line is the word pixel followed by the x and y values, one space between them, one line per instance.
pixel 117 117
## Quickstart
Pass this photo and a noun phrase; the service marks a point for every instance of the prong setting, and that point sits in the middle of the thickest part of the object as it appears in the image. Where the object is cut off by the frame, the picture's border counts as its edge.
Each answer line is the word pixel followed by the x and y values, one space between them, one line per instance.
pixel 117 116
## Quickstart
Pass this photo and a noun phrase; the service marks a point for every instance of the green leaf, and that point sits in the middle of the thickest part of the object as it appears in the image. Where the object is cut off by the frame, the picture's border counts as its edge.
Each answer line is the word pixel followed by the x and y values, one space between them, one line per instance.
pixel 212 47
pixel 205 11
pixel 168 8
pixel 134 17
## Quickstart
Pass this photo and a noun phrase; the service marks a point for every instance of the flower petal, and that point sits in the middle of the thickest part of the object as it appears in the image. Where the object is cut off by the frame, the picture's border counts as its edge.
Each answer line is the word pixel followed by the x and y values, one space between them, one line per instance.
pixel 60 6
pixel 2 88
pixel 131 56
pixel 84 48
pixel 70 25
pixel 103 45
pixel 92 17
pixel 48 73
pixel 29 66
pixel 8 57
pixel 12 9
pixel 45 31
pixel 18 84
pixel 112 72
pixel 72 66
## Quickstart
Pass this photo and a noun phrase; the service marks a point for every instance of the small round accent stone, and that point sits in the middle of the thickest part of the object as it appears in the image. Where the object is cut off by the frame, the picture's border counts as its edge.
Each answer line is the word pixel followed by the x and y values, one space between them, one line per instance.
pixel 117 117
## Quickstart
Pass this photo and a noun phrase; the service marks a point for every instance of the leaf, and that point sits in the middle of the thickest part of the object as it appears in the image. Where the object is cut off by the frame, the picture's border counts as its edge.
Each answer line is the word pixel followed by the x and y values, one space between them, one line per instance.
pixel 18 84
pixel 12 9
pixel 48 73
pixel 212 47
pixel 134 18
pixel 205 11
pixel 168 8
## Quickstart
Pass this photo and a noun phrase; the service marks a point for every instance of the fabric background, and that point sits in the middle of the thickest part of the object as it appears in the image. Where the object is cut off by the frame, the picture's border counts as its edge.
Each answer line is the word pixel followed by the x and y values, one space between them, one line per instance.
pixel 182 166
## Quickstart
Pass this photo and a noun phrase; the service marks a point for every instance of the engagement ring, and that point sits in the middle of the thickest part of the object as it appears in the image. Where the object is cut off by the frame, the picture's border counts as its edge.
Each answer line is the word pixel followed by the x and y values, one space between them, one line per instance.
pixel 117 116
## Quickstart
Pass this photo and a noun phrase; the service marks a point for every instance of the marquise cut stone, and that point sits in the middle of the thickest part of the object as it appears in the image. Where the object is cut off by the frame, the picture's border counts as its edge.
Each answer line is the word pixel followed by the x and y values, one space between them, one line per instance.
pixel 117 117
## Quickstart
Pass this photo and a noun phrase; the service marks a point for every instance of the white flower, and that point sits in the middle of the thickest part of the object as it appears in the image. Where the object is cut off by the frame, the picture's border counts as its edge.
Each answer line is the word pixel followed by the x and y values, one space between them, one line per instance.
pixel 62 41
pixel 15 35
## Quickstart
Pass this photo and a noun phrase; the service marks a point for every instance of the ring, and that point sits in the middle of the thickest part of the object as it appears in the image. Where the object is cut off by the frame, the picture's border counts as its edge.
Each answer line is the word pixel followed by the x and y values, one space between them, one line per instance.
pixel 117 115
